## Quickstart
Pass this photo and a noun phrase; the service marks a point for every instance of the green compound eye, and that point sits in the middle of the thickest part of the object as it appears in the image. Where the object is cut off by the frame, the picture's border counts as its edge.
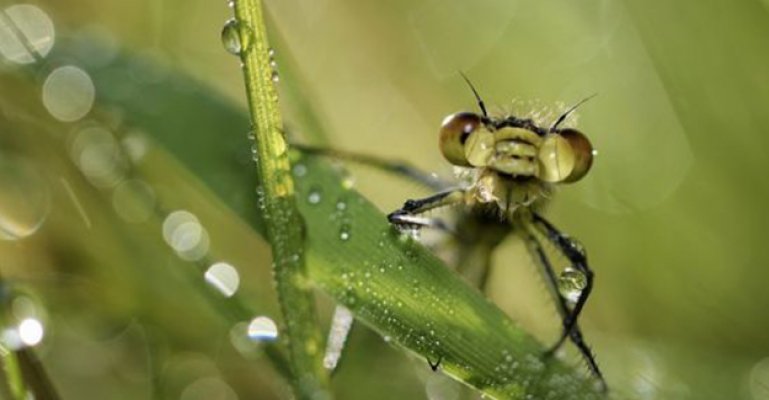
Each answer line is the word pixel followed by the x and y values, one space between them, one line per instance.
pixel 456 130
pixel 564 157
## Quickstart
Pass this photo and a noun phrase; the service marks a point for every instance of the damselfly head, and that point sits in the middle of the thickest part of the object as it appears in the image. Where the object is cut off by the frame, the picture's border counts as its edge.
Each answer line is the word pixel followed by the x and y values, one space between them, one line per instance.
pixel 515 147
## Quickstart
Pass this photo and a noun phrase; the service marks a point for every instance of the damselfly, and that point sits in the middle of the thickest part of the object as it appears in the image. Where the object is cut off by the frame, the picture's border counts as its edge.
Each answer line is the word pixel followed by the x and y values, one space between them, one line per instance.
pixel 513 165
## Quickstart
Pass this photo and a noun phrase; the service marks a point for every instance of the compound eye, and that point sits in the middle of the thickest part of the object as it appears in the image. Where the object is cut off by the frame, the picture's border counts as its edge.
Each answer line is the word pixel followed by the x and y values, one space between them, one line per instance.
pixel 455 132
pixel 565 157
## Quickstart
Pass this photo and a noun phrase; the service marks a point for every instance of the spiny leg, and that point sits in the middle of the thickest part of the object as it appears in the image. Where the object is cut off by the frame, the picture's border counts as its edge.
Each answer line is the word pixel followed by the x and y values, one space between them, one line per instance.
pixel 578 259
pixel 408 216
pixel 392 166
pixel 575 334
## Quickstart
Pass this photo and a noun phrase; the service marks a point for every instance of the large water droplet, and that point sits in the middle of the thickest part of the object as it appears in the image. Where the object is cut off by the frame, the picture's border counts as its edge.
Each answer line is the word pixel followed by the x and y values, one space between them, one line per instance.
pixel 571 283
pixel 184 233
pixel 759 379
pixel 24 198
pixel 208 388
pixel 97 154
pixel 29 332
pixel 224 277
pixel 236 37
pixel 25 25
pixel 68 93
pixel 262 329
pixel 135 146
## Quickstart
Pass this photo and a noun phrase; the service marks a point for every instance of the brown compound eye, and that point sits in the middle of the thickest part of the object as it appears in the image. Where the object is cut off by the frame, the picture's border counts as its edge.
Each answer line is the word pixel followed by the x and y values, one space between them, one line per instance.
pixel 565 157
pixel 455 132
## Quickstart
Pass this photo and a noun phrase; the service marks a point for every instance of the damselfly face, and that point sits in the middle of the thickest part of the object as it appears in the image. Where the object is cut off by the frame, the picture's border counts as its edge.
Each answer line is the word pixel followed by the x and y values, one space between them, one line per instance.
pixel 516 147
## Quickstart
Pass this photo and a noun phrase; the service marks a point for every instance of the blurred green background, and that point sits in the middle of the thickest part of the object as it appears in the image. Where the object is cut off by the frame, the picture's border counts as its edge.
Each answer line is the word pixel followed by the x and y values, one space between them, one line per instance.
pixel 672 214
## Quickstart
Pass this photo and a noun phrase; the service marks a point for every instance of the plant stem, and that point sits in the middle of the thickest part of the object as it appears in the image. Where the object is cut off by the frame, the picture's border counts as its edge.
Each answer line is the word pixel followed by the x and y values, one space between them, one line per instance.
pixel 13 375
pixel 285 227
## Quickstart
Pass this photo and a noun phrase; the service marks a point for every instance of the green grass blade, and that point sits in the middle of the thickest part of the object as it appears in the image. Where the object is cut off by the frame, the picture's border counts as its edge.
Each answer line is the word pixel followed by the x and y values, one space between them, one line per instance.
pixel 283 223
pixel 392 283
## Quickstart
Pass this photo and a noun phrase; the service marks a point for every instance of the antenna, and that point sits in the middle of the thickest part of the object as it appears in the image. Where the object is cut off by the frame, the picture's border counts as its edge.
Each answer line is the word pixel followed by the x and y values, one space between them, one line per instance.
pixel 481 105
pixel 569 111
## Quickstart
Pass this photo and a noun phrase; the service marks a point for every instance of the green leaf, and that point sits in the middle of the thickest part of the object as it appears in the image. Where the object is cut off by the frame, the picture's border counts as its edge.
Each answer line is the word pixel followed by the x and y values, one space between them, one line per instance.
pixel 391 282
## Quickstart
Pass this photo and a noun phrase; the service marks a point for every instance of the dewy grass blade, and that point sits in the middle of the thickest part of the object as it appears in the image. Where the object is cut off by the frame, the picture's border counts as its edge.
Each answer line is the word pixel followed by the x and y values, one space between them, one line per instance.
pixel 390 282
pixel 246 36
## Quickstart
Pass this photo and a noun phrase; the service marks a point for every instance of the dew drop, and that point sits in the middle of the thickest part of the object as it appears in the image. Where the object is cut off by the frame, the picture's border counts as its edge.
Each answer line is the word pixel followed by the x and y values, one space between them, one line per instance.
pixel 300 170
pixel 184 233
pixel 98 156
pixel 315 196
pixel 344 232
pixel 759 378
pixel 341 205
pixel 68 93
pixel 571 283
pixel 577 246
pixel 25 25
pixel 236 37
pixel 31 331
pixel 224 277
pixel 275 76
pixel 262 329
pixel 24 199
pixel 209 387
pixel 135 145
pixel 348 182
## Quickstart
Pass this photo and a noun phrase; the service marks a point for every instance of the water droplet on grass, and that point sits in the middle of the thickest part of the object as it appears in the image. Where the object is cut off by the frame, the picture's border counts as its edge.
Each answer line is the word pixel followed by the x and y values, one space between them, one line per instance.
pixel 24 199
pixel 315 196
pixel 68 93
pixel 262 329
pixel 236 37
pixel 224 277
pixel 348 181
pixel 300 170
pixel 25 25
pixel 344 232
